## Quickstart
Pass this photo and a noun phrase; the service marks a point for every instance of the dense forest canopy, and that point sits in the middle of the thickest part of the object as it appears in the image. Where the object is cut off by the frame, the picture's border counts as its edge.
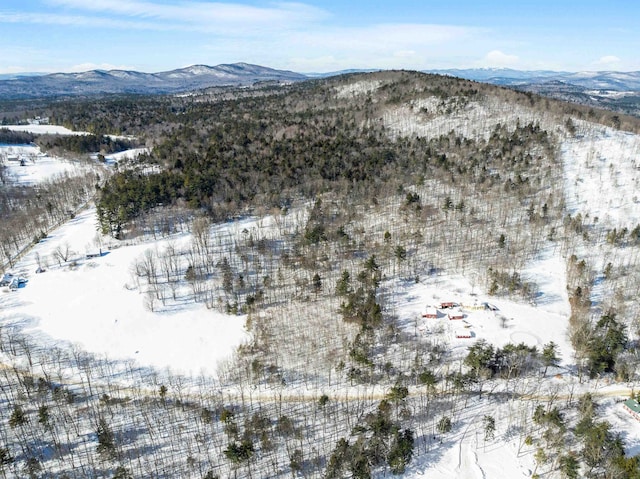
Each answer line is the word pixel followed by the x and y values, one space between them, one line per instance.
pixel 225 155
pixel 16 137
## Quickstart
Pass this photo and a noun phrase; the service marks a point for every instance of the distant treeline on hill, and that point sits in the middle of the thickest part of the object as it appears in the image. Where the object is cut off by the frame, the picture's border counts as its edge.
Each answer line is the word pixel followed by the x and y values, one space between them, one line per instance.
pixel 16 137
pixel 84 143
pixel 72 143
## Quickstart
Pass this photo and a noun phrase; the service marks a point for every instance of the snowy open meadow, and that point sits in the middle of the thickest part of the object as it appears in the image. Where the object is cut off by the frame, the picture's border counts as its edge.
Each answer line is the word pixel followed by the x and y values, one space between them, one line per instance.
pixel 26 165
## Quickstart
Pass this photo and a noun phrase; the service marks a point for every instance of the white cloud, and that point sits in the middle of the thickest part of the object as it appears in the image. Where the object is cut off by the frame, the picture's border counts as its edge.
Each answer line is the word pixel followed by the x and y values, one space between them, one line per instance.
pixel 316 64
pixel 79 21
pixel 283 35
pixel 385 37
pixel 608 60
pixel 404 54
pixel 203 16
pixel 496 58
pixel 323 48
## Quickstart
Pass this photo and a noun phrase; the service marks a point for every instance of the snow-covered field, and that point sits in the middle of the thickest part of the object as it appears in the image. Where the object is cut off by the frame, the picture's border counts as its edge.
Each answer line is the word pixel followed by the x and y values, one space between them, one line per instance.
pixel 126 155
pixel 93 305
pixel 44 129
pixel 507 322
pixel 30 166
pixel 602 176
pixel 35 166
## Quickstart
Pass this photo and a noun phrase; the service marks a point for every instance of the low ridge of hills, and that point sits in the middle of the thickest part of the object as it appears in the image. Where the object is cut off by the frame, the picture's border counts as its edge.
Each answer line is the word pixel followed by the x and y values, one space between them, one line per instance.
pixel 612 90
pixel 95 82
pixel 616 91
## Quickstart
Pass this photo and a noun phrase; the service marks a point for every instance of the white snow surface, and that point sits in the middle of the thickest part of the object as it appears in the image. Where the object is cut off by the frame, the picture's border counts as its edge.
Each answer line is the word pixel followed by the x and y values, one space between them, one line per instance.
pixel 44 129
pixel 602 176
pixel 431 117
pixel 465 454
pixel 94 307
pixel 37 166
pixel 510 322
pixel 127 154
pixel 358 88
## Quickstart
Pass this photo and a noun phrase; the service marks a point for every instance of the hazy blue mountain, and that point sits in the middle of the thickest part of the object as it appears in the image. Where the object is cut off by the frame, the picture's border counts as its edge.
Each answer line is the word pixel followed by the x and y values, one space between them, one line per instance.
pixel 13 76
pixel 618 91
pixel 123 81
pixel 341 72
pixel 498 76
pixel 608 80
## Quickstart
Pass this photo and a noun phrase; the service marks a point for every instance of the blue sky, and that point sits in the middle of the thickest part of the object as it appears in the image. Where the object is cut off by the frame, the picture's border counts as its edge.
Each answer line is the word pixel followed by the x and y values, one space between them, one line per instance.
pixel 319 36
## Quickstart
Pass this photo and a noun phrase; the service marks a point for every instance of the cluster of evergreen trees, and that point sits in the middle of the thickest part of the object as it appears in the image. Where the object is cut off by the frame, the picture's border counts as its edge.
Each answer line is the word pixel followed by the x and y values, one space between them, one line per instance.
pixel 226 156
pixel 84 143
pixel 11 137
pixel 378 439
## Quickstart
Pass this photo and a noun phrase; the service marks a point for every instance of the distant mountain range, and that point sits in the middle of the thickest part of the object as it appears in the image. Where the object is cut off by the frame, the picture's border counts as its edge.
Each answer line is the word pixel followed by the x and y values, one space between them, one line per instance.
pixel 605 80
pixel 94 82
pixel 619 91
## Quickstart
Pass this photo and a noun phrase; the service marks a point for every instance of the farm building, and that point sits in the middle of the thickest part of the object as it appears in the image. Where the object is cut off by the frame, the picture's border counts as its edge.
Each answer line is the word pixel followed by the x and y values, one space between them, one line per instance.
pixel 464 334
pixel 430 313
pixel 448 305
pixel 457 314
pixel 633 407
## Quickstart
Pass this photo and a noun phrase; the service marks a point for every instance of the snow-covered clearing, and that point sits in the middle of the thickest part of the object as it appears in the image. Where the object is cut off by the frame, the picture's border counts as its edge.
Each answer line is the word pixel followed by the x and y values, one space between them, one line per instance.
pixel 602 176
pixel 44 129
pixel 508 322
pixel 465 453
pixel 126 155
pixel 29 166
pixel 93 305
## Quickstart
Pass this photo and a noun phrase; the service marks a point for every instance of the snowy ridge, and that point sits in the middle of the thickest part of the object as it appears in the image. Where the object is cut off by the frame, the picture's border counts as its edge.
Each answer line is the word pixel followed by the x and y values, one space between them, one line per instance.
pixel 588 79
pixel 431 117
pixel 358 88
